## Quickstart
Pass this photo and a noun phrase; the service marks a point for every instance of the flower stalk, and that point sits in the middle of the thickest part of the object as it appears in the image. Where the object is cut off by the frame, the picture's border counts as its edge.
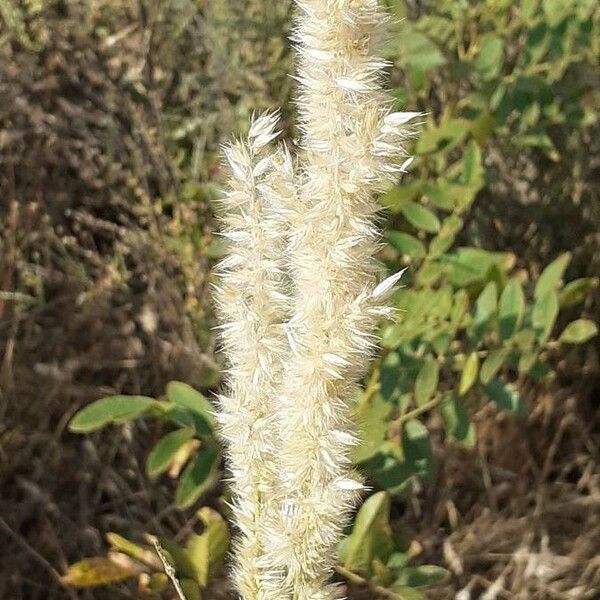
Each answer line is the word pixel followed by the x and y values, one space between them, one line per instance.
pixel 314 302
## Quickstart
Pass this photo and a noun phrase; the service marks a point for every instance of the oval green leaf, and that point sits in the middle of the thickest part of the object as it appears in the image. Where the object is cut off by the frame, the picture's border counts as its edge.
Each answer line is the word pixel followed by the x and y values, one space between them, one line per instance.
pixel 576 291
pixel 457 422
pixel 469 373
pixel 162 455
pixel 427 381
pixel 420 217
pixel 511 308
pixel 112 409
pixel 196 479
pixel 578 332
pixel 185 395
pixel 543 316
pixel 492 364
pixel 405 244
pixel 505 396
pixel 552 275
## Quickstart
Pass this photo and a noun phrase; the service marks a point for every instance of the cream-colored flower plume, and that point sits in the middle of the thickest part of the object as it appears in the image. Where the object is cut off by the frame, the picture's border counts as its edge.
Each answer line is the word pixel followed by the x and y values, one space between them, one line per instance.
pixel 252 308
pixel 310 294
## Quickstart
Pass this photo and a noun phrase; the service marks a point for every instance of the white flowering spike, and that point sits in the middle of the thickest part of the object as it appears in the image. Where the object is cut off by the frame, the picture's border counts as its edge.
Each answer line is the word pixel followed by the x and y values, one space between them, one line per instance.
pixel 252 310
pixel 351 146
pixel 299 300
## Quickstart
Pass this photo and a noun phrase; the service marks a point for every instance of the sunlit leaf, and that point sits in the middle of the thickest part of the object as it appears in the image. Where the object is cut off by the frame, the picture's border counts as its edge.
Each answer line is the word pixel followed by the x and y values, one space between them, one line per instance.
pixel 552 275
pixel 576 291
pixel 427 381
pixel 207 550
pixel 578 332
pixel 485 308
pixel 185 395
pixel 406 244
pixel 113 409
pixel 469 373
pixel 511 308
pixel 489 58
pixel 420 217
pixel 92 572
pixel 543 315
pixel 492 364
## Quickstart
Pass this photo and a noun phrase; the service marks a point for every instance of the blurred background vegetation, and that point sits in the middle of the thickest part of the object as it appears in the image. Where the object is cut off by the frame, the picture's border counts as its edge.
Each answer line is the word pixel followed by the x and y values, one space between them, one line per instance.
pixel 480 421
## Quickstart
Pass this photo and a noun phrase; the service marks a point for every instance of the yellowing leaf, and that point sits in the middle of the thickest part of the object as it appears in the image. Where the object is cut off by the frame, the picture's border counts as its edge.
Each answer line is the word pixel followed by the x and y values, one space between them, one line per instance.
pixel 207 550
pixel 469 373
pixel 92 572
pixel 578 332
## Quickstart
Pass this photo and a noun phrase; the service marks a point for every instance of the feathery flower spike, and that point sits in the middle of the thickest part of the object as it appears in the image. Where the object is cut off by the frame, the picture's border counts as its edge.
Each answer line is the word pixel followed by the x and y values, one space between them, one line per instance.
pixel 252 309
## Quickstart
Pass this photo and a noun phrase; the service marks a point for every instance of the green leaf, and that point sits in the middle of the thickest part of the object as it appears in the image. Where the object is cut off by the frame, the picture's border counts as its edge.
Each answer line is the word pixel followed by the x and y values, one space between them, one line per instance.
pixel 185 417
pixel 576 291
pixel 485 307
pixel 440 195
pixel 469 374
pixel 196 479
pixel 395 198
pixel 143 554
pixel 511 308
pixel 472 169
pixel 406 244
pixel 489 58
pixel 556 11
pixel 543 315
pixel 457 422
pixel 578 332
pixel 113 409
pixel 527 360
pixel 446 136
pixel 422 576
pixel 420 217
pixel 398 196
pixel 407 593
pixel 207 550
pixel 450 227
pixel 372 417
pixel 190 589
pixel 427 381
pixel 178 558
pixel 492 364
pixel 417 449
pixel 418 52
pixel 162 455
pixel 552 275
pixel 505 396
pixel 371 536
pixel 92 572
pixel 186 396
